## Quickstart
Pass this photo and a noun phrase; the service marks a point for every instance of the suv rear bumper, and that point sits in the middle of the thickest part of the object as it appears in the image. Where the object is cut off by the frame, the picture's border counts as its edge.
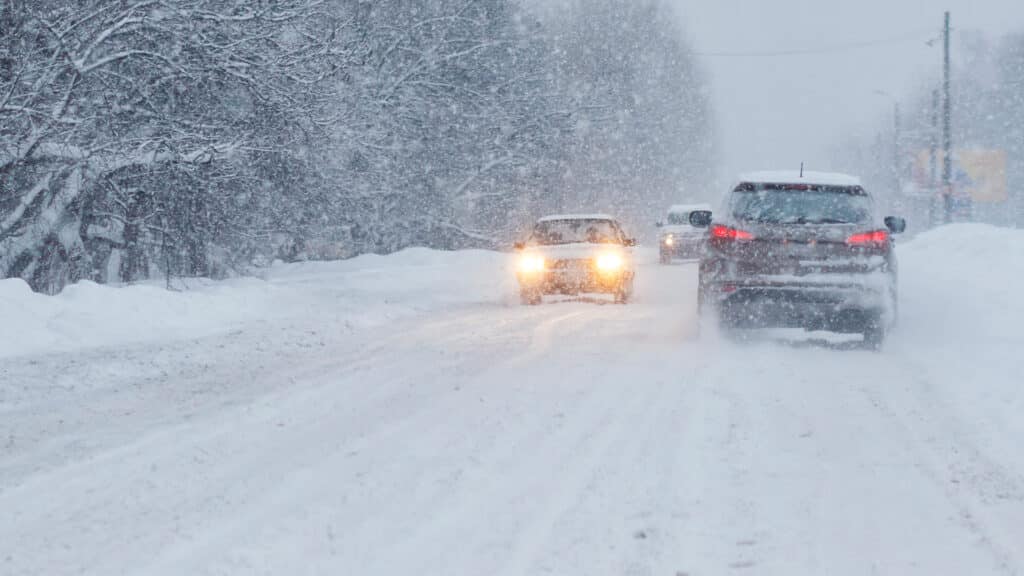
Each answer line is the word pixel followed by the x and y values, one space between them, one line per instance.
pixel 837 308
pixel 683 249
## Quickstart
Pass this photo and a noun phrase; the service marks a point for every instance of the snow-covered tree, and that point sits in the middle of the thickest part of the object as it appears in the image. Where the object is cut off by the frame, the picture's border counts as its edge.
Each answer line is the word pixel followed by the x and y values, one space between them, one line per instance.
pixel 643 131
pixel 128 128
pixel 143 138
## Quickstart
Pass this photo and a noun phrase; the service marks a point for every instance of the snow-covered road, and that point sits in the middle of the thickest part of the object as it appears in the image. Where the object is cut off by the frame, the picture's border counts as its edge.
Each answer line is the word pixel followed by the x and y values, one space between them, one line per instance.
pixel 449 431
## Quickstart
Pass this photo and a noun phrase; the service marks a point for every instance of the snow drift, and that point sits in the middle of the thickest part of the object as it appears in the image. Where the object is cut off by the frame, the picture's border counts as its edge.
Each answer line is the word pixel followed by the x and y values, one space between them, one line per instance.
pixel 367 290
pixel 960 289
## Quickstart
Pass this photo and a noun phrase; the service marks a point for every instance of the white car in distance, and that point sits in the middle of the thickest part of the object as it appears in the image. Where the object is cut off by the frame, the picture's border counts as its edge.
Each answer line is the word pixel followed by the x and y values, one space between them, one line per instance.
pixel 576 254
pixel 678 239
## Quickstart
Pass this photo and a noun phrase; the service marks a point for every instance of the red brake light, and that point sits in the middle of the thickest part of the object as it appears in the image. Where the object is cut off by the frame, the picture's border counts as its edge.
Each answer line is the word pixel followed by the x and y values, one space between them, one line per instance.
pixel 876 238
pixel 726 233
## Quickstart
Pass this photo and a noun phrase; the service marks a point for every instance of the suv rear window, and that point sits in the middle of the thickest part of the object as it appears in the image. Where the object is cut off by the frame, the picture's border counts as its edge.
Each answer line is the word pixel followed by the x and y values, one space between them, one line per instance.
pixel 678 218
pixel 801 204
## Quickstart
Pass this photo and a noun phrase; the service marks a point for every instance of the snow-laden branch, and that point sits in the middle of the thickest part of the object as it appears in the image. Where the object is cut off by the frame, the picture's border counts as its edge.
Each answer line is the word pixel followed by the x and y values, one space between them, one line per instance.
pixel 103 36
pixel 85 68
pixel 11 220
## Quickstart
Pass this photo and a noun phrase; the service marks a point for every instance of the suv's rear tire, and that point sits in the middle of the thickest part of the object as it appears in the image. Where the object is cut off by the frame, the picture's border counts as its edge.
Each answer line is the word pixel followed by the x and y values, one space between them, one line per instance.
pixel 703 306
pixel 875 332
pixel 895 307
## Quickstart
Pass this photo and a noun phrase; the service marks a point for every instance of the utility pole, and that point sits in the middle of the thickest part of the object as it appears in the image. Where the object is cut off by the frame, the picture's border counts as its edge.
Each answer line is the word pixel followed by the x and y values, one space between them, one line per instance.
pixel 947 130
pixel 896 156
pixel 897 168
pixel 933 149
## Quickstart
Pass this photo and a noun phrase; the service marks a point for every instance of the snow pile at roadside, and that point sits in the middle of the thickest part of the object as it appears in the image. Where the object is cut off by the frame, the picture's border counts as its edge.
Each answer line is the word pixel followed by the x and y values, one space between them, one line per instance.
pixel 961 325
pixel 960 284
pixel 87 314
pixel 365 291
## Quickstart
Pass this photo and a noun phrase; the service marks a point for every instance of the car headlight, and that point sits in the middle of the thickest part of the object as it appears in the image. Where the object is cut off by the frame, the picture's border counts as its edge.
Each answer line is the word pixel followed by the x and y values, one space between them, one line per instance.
pixel 669 240
pixel 532 263
pixel 609 263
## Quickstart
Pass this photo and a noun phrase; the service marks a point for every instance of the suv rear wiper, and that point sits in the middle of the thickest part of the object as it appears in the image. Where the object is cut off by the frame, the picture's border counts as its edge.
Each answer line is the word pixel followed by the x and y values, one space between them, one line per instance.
pixel 803 220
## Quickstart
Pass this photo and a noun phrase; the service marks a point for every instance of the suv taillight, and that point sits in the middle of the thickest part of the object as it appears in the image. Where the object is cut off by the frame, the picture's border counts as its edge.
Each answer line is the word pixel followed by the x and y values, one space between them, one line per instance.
pixel 726 233
pixel 878 238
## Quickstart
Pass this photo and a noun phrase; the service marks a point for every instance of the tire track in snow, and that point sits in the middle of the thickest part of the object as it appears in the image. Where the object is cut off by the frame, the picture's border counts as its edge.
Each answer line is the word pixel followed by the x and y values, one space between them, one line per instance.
pixel 404 441
pixel 509 474
pixel 814 457
pixel 564 486
pixel 956 454
pixel 623 501
pixel 207 439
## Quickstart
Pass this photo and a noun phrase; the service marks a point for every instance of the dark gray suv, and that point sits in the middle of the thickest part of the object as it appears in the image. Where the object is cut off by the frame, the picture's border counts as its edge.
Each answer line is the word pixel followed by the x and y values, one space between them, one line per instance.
pixel 800 250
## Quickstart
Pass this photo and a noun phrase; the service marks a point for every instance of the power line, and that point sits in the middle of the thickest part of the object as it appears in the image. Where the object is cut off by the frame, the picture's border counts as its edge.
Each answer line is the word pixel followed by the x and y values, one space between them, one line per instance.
pixel 835 48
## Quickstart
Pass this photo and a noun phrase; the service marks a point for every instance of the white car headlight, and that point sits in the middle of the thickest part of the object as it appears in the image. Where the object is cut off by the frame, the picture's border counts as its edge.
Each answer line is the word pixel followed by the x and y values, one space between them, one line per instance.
pixel 532 263
pixel 669 240
pixel 609 262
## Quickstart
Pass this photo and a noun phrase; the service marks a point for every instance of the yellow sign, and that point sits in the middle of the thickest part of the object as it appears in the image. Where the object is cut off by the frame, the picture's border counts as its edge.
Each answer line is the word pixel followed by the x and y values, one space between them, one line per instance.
pixel 977 173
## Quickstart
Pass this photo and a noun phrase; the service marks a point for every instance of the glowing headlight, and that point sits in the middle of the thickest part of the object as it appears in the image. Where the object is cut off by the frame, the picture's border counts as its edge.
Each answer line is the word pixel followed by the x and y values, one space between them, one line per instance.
pixel 531 263
pixel 609 262
pixel 669 240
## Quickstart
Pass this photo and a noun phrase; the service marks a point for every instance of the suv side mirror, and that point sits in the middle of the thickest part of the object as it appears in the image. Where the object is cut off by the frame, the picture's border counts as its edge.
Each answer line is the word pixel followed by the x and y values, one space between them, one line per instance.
pixel 700 218
pixel 519 245
pixel 895 224
pixel 658 224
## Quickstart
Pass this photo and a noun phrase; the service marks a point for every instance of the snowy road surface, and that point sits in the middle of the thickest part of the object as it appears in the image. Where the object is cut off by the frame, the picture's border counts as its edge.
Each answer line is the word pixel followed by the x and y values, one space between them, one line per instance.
pixel 401 415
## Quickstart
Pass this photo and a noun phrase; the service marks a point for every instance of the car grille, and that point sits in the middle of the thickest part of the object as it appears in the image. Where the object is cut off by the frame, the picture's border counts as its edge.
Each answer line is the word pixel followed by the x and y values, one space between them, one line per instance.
pixel 571 264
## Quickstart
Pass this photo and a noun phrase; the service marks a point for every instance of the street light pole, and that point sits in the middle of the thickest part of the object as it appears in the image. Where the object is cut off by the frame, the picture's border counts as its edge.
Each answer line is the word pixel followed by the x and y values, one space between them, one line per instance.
pixel 896 140
pixel 947 130
pixel 896 156
pixel 933 146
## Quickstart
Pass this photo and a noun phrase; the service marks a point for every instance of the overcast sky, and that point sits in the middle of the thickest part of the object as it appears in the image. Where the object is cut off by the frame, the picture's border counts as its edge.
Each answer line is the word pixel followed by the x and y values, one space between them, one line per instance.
pixel 773 112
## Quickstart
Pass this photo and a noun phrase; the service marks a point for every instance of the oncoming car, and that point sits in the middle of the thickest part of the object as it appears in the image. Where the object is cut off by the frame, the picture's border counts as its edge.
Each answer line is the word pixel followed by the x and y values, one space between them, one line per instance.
pixel 801 250
pixel 575 254
pixel 678 239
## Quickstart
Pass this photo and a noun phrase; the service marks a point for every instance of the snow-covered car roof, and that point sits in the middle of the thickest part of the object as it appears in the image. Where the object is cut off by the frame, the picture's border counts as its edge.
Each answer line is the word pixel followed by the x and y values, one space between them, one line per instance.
pixel 684 208
pixel 554 217
pixel 794 177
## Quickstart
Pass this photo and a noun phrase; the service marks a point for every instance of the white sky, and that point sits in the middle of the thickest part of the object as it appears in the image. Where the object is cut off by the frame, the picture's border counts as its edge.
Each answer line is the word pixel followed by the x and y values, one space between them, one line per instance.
pixel 775 112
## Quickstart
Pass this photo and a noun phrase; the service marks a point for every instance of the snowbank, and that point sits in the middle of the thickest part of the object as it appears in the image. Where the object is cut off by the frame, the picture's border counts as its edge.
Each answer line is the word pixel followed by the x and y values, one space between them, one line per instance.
pixel 365 291
pixel 961 285
pixel 960 296
pixel 87 314
pixel 960 333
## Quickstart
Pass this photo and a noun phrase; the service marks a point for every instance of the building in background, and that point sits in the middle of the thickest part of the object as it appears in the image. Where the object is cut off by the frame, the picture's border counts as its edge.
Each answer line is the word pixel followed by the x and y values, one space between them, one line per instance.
pixel 979 190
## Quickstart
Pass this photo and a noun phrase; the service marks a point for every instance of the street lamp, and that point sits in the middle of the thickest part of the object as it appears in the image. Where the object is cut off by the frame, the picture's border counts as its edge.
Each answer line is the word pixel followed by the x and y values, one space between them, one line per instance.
pixel 896 170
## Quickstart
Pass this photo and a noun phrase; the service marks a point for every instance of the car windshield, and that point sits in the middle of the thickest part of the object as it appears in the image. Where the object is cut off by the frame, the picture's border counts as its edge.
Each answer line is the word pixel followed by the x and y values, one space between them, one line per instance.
pixel 678 218
pixel 550 232
pixel 802 205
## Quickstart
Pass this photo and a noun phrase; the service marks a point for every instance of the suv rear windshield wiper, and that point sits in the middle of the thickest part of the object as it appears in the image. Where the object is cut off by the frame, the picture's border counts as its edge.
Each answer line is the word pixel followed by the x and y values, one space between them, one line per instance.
pixel 803 220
